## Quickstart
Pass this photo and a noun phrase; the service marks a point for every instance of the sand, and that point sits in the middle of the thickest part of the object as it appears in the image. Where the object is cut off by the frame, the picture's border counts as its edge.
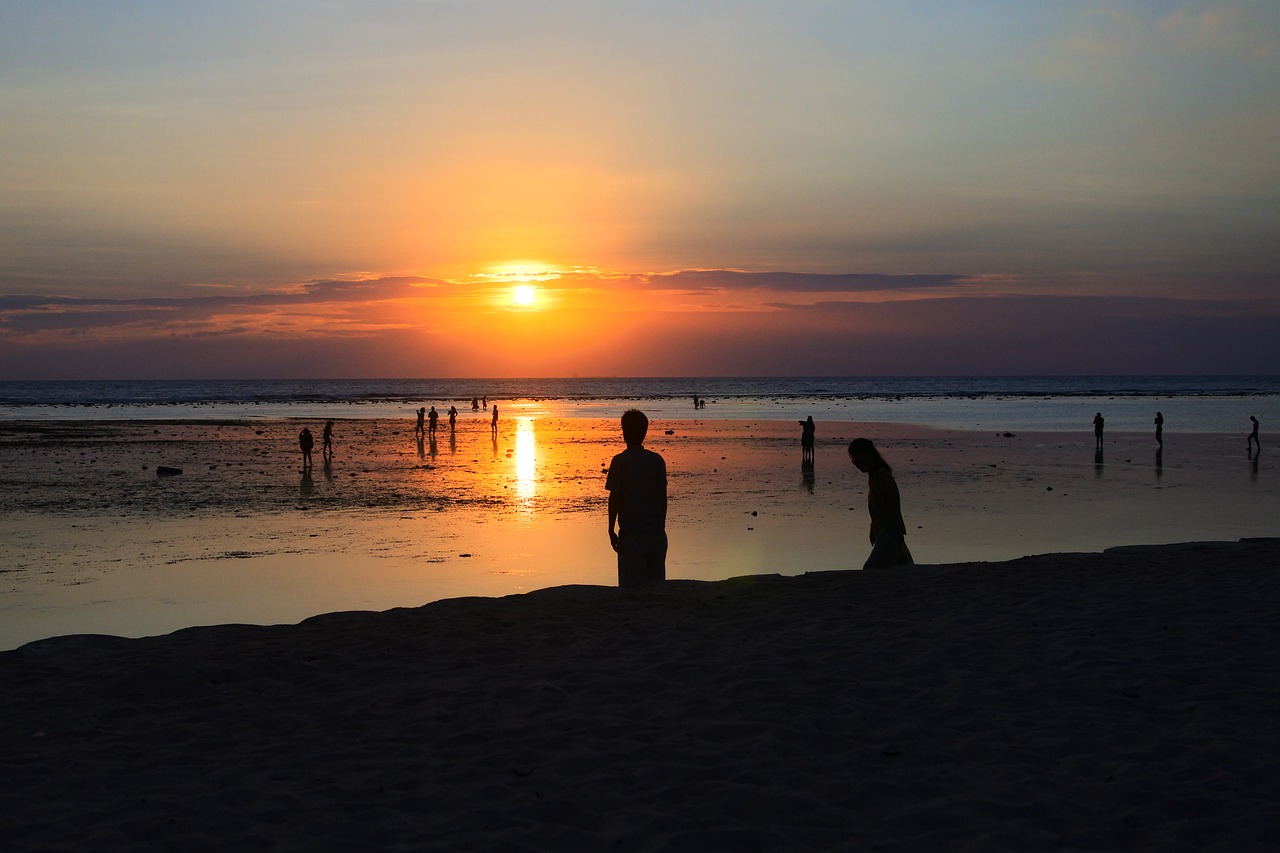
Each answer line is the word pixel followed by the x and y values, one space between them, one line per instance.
pixel 95 542
pixel 1124 700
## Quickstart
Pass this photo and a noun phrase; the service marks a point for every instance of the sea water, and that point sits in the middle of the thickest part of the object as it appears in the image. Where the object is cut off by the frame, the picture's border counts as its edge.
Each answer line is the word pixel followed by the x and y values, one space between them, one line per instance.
pixel 1192 404
pixel 143 575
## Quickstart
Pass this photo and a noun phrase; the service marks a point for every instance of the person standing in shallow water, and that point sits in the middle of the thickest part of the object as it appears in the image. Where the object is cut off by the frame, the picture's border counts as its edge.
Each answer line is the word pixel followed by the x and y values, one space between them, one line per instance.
pixel 808 432
pixel 1253 437
pixel 888 530
pixel 1160 429
pixel 1097 431
pixel 326 442
pixel 305 443
pixel 637 486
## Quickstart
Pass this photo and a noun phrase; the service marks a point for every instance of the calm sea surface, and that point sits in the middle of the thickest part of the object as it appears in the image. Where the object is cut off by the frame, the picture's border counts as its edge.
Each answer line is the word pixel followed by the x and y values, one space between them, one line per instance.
pixel 279 559
pixel 1053 403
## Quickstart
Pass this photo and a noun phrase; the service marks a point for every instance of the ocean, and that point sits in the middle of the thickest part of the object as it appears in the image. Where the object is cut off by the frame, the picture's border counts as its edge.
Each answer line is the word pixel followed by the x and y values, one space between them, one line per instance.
pixel 1191 404
pixel 97 542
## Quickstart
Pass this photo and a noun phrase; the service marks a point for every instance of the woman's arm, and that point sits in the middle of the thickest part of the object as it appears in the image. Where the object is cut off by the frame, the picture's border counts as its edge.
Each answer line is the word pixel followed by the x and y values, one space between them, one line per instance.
pixel 889 503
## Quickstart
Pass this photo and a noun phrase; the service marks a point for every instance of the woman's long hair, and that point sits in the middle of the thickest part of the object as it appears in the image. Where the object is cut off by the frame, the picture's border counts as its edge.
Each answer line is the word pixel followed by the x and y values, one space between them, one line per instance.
pixel 864 448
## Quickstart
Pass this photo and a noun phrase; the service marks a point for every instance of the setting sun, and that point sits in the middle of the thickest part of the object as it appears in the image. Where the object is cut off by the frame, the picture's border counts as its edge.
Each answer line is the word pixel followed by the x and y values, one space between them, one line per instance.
pixel 523 295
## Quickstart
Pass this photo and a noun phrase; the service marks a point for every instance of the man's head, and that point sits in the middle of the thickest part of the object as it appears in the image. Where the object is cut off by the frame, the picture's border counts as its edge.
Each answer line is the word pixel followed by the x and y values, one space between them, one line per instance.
pixel 634 427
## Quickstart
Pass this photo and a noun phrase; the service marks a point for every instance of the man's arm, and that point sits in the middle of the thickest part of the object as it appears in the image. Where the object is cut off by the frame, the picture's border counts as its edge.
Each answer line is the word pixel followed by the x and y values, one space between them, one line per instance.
pixel 664 494
pixel 614 501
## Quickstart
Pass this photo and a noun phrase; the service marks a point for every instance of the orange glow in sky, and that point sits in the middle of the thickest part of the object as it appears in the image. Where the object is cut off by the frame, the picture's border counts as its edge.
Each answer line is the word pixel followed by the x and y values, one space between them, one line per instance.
pixel 516 189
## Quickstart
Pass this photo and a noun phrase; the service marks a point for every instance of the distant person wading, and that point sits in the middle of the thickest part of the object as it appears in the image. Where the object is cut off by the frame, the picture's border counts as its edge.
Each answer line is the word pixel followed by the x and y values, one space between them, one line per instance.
pixel 305 443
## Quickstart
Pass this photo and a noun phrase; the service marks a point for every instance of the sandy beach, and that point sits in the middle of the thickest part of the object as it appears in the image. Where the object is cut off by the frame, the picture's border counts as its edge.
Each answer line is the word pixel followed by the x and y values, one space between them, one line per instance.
pixel 1121 701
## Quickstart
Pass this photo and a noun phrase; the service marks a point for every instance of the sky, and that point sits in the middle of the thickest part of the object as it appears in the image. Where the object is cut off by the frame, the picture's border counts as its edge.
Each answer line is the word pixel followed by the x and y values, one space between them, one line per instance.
pixel 504 188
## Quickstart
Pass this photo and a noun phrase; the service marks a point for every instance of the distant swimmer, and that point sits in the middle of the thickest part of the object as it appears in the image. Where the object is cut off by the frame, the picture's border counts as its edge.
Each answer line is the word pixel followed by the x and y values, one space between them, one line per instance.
pixel 1097 431
pixel 1253 437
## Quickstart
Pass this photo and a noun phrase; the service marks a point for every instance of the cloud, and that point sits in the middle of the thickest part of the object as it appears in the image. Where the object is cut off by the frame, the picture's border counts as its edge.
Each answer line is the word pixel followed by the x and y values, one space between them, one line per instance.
pixel 788 282
pixel 400 287
pixel 406 326
pixel 27 314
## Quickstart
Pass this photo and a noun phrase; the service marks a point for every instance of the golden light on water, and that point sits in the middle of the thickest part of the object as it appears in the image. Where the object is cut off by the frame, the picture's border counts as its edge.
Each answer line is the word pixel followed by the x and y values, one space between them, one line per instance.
pixel 526 462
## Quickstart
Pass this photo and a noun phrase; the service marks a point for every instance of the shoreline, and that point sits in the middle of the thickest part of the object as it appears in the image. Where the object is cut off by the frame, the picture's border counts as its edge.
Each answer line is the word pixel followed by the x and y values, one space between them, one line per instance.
pixel 1120 700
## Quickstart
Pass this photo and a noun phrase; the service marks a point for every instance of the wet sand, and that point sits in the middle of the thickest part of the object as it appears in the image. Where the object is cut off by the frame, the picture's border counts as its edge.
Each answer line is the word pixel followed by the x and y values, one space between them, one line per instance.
pixel 96 542
pixel 1121 701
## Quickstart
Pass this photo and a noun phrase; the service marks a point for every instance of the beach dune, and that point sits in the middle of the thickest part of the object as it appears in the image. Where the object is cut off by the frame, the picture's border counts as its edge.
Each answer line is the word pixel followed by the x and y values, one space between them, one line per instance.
pixel 1122 700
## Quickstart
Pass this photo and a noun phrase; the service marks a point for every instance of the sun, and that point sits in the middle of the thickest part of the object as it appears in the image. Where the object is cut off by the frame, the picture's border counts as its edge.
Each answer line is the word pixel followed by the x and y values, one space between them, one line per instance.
pixel 524 295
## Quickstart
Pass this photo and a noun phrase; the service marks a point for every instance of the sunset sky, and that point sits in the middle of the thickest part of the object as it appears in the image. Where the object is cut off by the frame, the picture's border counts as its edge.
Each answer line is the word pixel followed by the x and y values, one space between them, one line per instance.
pixel 356 189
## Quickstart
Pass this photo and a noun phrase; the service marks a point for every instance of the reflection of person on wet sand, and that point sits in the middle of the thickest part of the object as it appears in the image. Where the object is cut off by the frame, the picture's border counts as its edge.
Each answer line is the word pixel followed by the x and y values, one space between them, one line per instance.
pixel 326 441
pixel 1097 430
pixel 305 442
pixel 637 486
pixel 807 433
pixel 1253 437
pixel 888 530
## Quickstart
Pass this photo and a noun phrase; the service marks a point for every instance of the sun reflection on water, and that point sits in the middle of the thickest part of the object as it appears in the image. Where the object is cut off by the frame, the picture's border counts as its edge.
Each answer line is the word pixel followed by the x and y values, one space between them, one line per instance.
pixel 526 463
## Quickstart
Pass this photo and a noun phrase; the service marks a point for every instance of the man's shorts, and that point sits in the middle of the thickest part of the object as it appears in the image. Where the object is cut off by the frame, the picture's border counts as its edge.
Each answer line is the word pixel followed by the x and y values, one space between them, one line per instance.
pixel 642 558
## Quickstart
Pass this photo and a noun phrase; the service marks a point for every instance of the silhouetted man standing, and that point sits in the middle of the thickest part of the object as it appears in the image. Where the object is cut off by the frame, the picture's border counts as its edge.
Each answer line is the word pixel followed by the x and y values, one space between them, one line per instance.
pixel 637 485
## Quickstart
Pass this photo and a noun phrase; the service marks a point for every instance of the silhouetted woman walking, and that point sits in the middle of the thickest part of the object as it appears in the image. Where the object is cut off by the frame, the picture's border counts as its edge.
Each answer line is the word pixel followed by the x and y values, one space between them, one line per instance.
pixel 888 530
